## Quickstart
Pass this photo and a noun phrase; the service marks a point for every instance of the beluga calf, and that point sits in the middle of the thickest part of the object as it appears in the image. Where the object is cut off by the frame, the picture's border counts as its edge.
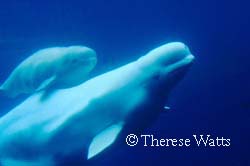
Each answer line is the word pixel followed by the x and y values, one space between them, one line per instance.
pixel 55 67
pixel 84 120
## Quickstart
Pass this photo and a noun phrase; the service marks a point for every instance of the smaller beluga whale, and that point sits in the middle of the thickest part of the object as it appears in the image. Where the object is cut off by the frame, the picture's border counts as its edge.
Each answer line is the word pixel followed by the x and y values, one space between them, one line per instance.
pixel 76 124
pixel 55 68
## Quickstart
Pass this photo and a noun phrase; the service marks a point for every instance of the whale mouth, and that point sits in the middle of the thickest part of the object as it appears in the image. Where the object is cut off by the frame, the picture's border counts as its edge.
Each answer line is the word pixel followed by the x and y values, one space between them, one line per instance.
pixel 166 66
pixel 165 56
pixel 187 60
pixel 177 67
pixel 172 74
pixel 174 56
pixel 175 53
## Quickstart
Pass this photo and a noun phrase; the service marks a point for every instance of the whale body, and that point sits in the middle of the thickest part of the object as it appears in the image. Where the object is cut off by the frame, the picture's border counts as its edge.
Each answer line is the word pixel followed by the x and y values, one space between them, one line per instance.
pixel 86 119
pixel 57 67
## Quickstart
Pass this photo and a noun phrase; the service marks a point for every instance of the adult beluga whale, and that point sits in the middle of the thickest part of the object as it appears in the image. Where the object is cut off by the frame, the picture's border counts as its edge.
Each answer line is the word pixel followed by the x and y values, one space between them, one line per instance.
pixel 84 120
pixel 55 67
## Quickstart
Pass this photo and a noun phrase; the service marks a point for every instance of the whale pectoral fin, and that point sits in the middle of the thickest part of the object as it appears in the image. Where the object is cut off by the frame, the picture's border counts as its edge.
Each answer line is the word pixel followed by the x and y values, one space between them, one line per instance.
pixel 46 83
pixel 104 139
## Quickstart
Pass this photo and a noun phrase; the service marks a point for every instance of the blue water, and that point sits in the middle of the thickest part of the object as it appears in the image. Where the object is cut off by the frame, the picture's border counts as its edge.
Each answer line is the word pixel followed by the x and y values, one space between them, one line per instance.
pixel 212 99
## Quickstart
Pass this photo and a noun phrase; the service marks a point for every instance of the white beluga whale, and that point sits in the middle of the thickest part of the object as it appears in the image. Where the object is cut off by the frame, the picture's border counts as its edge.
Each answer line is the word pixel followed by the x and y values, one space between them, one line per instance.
pixel 57 67
pixel 84 120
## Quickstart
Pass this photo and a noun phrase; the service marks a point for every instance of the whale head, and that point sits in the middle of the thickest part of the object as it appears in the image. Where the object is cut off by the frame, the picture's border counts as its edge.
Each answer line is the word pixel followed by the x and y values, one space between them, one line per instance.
pixel 78 56
pixel 74 67
pixel 164 66
pixel 159 71
pixel 140 90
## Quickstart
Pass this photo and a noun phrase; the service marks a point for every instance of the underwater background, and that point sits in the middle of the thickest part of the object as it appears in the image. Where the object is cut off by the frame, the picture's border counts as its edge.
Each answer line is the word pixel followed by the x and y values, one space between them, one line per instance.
pixel 212 99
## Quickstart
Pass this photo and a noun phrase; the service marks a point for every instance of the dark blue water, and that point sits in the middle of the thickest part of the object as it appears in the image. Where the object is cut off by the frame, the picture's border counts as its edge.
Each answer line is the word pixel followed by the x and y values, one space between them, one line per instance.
pixel 212 99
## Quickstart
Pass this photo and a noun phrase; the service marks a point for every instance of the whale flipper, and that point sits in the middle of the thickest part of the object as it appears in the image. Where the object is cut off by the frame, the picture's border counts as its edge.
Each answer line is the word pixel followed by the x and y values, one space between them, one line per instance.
pixel 47 83
pixel 104 139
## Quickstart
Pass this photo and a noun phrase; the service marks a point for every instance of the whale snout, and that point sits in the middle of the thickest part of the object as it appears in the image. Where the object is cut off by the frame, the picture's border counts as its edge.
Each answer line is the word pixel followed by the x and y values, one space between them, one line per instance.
pixel 176 63
pixel 83 51
pixel 166 64
pixel 175 56
pixel 169 53
pixel 81 56
pixel 174 52
pixel 165 56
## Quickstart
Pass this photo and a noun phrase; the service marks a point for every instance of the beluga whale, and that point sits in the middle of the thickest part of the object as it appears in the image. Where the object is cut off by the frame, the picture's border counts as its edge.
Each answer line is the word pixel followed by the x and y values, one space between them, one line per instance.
pixel 74 125
pixel 54 67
